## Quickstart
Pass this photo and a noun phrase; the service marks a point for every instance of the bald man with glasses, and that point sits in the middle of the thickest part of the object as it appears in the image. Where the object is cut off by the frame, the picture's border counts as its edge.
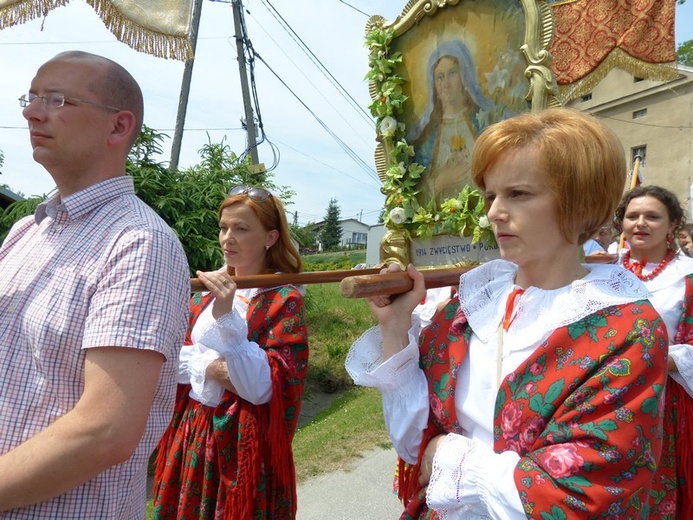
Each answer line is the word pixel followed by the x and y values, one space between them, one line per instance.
pixel 95 291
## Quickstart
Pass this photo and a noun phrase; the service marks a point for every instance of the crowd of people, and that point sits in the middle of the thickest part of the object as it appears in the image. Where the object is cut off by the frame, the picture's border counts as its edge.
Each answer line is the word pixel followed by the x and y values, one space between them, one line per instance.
pixel 546 386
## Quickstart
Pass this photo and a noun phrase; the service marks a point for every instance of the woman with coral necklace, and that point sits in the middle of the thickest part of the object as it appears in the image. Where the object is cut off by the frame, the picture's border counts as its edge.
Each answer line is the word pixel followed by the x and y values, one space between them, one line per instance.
pixel 650 217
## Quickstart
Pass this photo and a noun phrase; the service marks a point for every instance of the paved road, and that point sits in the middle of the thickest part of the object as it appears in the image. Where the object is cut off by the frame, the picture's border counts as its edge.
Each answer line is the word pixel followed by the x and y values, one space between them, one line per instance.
pixel 363 493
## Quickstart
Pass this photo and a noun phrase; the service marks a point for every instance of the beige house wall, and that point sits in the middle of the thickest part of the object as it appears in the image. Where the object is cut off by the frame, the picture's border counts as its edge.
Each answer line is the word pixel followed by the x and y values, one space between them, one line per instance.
pixel 666 129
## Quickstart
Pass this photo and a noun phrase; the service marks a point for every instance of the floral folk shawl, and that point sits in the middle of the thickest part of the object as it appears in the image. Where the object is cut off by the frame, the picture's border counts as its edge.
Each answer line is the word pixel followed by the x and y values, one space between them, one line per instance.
pixel 584 412
pixel 235 461
pixel 672 489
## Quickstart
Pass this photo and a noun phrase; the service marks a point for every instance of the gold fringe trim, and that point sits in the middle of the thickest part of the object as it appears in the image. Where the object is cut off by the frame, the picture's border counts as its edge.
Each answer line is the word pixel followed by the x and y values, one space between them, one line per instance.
pixel 125 30
pixel 22 11
pixel 622 60
pixel 140 38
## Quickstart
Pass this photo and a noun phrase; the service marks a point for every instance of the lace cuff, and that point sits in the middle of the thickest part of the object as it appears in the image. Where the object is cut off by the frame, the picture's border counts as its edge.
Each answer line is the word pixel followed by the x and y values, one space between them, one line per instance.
pixel 225 333
pixel 206 392
pixel 447 493
pixel 682 355
pixel 468 476
pixel 365 364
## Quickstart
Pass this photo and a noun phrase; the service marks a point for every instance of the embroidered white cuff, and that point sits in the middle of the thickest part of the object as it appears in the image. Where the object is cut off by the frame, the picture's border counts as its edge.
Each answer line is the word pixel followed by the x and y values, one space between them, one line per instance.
pixel 225 333
pixel 205 391
pixel 682 355
pixel 365 365
pixel 469 478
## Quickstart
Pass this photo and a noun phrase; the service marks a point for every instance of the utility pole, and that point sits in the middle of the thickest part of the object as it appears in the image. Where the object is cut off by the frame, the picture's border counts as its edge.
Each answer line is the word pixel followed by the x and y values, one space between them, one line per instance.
pixel 249 117
pixel 185 89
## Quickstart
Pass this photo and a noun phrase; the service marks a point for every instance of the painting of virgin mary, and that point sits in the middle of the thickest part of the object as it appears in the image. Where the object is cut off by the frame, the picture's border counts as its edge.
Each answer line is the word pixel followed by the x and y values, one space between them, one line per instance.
pixel 444 136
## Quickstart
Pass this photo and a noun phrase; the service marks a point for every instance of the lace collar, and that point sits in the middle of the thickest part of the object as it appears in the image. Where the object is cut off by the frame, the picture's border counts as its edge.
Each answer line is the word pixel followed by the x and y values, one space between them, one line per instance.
pixel 484 291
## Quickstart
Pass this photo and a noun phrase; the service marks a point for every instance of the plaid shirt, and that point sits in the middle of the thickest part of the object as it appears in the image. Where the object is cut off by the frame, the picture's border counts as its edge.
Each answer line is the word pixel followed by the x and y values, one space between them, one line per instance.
pixel 99 269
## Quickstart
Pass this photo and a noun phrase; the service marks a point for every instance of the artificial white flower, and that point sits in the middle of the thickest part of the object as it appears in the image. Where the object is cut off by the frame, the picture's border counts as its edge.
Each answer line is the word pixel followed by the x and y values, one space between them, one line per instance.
pixel 397 215
pixel 483 222
pixel 388 125
pixel 402 168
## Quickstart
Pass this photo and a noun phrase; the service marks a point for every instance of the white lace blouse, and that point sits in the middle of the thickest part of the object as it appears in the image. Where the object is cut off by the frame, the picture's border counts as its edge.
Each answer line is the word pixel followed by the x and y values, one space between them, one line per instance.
pixel 226 337
pixel 486 488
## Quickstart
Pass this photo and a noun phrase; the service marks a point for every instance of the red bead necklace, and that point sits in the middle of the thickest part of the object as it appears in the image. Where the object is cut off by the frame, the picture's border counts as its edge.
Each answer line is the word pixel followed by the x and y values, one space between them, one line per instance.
pixel 636 267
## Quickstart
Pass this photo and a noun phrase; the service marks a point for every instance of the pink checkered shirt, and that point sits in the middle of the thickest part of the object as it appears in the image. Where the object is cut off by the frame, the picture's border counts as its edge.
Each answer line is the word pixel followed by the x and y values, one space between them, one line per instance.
pixel 99 269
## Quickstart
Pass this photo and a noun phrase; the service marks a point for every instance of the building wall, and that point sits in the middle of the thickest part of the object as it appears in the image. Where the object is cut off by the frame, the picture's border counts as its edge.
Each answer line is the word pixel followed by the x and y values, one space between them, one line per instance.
pixel 666 129
pixel 349 227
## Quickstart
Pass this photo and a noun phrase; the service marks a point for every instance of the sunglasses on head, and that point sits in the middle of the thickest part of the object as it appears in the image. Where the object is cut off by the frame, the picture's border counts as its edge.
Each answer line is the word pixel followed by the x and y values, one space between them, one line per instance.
pixel 256 194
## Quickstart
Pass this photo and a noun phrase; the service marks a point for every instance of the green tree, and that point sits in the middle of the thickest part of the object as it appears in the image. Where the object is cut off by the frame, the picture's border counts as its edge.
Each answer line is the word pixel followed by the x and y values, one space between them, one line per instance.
pixel 188 200
pixel 303 235
pixel 684 53
pixel 331 233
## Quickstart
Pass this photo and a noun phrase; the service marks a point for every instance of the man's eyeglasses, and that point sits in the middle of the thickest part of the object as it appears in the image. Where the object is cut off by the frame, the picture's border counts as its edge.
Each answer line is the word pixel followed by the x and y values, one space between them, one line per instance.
pixel 256 194
pixel 56 100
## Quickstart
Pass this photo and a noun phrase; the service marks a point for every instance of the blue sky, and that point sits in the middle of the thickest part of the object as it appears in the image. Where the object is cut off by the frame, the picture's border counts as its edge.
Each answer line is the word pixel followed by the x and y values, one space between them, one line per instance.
pixel 311 161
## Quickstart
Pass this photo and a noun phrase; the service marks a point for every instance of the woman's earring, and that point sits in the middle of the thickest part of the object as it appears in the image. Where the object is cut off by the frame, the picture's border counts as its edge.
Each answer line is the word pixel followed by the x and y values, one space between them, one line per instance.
pixel 267 248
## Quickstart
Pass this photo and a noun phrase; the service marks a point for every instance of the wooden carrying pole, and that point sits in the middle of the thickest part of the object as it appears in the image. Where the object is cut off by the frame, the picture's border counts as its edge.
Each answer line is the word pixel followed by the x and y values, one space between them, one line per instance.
pixel 363 283
pixel 398 283
pixel 273 280
pixel 633 184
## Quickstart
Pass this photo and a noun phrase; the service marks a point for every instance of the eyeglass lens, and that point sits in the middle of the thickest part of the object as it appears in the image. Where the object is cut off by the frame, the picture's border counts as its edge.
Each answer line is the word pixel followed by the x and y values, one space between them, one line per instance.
pixel 52 100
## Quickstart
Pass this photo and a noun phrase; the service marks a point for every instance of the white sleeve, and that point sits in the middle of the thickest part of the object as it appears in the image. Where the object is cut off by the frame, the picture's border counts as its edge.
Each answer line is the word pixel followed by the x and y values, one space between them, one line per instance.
pixel 192 368
pixel 682 355
pixel 246 362
pixel 469 477
pixel 401 383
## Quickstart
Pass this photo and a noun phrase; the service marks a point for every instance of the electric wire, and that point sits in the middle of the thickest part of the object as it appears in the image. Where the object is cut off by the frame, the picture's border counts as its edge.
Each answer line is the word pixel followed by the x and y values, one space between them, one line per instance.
pixel 325 71
pixel 370 171
pixel 319 91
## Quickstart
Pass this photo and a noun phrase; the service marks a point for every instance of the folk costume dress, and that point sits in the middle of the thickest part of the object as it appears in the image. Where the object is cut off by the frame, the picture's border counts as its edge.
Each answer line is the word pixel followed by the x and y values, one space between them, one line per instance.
pixel 550 399
pixel 224 457
pixel 671 289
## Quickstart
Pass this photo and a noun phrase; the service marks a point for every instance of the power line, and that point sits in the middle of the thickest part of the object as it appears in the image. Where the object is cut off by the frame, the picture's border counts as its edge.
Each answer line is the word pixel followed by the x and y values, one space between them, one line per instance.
pixel 343 92
pixel 354 8
pixel 319 91
pixel 334 136
pixel 325 164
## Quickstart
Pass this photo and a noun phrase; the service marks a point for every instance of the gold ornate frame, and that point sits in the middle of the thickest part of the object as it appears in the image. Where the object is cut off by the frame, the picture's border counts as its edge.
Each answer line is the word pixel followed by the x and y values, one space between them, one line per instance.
pixel 462 217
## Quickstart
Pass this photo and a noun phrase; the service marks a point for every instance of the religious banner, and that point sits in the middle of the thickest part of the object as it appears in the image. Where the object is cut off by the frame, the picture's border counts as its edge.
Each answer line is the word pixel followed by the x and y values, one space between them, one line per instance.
pixel 594 36
pixel 157 27
pixel 439 74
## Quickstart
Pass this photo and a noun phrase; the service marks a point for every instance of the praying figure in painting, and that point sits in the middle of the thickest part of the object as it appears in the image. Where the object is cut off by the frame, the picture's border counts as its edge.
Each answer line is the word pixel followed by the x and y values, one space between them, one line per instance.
pixel 445 134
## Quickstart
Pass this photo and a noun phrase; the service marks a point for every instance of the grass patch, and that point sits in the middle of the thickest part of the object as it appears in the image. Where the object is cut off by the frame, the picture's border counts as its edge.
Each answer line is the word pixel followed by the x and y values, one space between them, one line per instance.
pixel 334 323
pixel 352 425
pixel 335 260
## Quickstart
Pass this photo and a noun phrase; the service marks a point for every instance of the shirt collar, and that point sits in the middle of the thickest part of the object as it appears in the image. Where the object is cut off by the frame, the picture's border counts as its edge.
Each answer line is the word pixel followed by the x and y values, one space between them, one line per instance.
pixel 86 200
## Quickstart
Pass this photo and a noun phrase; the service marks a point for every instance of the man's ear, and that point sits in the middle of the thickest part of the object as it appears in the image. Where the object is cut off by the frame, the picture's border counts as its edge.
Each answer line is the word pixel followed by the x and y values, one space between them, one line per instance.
pixel 123 126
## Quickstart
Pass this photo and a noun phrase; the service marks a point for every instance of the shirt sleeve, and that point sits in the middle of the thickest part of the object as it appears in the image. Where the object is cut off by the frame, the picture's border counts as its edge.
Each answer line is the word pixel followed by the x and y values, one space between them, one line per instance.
pixel 469 477
pixel 402 385
pixel 682 355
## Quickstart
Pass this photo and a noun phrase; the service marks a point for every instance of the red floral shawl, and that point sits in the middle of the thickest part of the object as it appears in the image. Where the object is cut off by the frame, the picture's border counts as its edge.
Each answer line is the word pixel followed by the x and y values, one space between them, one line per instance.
pixel 589 398
pixel 252 443
pixel 672 490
